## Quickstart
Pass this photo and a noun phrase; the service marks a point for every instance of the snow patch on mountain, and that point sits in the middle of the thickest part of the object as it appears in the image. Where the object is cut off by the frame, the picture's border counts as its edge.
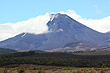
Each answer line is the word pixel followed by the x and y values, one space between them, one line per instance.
pixel 54 24
pixel 23 34
pixel 59 30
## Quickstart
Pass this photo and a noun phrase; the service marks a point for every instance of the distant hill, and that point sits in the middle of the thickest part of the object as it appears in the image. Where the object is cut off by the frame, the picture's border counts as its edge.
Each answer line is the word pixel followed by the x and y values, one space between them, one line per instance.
pixel 36 51
pixel 4 50
pixel 76 46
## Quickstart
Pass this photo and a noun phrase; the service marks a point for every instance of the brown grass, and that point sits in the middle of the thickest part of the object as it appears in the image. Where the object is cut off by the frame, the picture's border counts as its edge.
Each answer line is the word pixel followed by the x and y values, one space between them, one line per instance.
pixel 29 68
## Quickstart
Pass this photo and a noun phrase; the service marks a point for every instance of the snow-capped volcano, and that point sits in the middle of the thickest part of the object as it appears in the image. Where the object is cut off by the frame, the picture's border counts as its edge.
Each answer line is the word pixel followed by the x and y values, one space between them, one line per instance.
pixel 62 29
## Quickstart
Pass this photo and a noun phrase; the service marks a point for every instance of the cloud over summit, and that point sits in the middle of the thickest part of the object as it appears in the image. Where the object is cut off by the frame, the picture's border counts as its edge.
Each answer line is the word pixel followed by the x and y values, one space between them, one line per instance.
pixel 38 25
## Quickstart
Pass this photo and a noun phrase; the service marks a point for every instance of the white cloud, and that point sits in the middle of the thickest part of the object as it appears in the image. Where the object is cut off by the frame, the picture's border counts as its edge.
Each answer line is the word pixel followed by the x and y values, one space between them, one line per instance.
pixel 101 25
pixel 38 25
pixel 33 25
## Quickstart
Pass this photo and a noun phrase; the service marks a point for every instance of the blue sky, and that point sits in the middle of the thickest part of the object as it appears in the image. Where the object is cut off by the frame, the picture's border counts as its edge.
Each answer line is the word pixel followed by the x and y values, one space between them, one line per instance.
pixel 31 16
pixel 21 10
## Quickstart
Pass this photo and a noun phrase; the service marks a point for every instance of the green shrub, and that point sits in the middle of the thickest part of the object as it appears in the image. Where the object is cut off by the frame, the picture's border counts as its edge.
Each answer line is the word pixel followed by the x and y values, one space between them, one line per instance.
pixel 103 66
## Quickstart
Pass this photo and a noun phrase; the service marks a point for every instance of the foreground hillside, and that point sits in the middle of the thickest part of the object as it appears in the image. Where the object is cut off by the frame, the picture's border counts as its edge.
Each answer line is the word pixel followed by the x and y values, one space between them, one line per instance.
pixel 5 50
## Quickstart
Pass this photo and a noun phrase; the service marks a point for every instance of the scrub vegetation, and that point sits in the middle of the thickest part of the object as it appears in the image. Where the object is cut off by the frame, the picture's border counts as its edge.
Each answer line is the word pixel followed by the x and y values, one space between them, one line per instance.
pixel 53 62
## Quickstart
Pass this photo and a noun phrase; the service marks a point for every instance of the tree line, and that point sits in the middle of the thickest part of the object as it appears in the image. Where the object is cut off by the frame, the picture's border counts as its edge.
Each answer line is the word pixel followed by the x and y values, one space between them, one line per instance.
pixel 54 59
pixel 54 62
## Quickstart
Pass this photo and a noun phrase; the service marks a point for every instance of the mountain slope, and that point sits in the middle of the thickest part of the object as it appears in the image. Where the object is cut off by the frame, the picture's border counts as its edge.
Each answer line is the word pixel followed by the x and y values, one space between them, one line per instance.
pixel 62 29
pixel 27 42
